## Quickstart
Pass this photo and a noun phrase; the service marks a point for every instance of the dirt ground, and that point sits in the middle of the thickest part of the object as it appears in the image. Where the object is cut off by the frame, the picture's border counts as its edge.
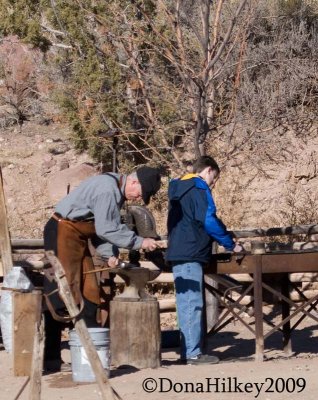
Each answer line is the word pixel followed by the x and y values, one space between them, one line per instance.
pixel 32 157
pixel 237 375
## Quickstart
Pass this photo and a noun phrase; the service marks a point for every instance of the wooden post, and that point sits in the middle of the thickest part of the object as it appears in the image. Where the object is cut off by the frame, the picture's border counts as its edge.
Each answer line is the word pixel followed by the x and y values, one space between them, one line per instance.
pixel 211 309
pixel 5 244
pixel 287 345
pixel 135 334
pixel 26 317
pixel 211 303
pixel 258 309
pixel 107 392
pixel 37 362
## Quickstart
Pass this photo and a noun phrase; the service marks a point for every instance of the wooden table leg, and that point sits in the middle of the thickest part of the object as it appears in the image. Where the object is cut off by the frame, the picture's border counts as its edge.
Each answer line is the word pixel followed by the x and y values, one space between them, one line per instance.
pixel 211 307
pixel 258 308
pixel 287 346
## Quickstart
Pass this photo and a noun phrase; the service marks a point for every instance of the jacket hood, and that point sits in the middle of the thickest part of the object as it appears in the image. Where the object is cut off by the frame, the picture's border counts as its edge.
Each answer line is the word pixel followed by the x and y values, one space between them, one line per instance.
pixel 179 187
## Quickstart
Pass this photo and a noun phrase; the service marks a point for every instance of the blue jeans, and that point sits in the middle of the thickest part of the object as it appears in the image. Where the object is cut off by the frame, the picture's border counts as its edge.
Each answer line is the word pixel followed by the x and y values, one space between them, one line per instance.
pixel 188 280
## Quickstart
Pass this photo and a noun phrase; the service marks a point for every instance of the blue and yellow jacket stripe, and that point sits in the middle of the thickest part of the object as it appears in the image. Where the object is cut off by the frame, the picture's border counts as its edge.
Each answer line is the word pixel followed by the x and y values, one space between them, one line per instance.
pixel 192 221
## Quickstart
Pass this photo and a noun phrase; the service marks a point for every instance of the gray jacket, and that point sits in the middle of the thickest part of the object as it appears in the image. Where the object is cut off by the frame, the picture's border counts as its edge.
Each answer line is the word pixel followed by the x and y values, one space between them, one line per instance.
pixel 99 198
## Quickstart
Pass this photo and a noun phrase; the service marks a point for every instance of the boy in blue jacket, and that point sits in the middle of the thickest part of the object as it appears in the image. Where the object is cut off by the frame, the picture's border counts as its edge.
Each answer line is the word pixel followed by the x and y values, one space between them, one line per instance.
pixel 192 227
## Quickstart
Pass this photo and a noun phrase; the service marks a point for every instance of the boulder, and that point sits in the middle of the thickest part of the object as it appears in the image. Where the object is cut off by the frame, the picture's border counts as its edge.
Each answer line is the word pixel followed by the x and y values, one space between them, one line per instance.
pixel 68 179
pixel 306 167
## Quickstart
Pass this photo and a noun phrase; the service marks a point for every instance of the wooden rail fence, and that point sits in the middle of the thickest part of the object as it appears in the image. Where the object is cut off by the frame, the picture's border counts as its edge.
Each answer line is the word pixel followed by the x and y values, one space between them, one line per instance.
pixel 30 252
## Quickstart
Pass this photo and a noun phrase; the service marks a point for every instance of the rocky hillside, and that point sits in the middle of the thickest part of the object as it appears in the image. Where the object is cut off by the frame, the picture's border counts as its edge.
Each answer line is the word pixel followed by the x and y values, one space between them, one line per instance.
pixel 33 160
pixel 39 163
pixel 272 185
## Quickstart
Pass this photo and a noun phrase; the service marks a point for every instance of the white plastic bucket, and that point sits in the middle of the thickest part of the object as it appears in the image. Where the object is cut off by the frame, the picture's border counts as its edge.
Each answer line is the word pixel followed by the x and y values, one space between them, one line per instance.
pixel 81 367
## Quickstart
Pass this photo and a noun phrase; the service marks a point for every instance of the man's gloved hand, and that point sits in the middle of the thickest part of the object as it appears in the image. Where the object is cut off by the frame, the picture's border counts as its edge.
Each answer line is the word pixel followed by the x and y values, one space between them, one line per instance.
pixel 112 262
pixel 149 244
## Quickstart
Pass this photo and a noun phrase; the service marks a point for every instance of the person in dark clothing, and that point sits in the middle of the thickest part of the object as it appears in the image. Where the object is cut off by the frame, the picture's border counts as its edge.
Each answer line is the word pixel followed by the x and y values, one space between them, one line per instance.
pixel 92 212
pixel 192 227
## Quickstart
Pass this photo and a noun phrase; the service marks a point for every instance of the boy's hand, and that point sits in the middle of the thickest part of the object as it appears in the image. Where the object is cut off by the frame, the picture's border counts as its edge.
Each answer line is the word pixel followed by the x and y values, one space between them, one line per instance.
pixel 238 248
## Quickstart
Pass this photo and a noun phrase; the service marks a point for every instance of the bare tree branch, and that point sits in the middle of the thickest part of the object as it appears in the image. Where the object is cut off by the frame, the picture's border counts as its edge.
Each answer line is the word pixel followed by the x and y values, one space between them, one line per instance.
pixel 227 35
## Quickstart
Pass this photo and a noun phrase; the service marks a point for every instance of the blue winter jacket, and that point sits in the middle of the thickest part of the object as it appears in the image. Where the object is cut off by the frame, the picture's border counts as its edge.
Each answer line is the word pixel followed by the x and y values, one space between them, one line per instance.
pixel 192 221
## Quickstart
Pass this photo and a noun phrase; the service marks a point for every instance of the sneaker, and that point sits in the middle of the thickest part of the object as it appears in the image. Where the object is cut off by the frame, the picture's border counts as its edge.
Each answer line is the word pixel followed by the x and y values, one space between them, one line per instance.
pixel 202 359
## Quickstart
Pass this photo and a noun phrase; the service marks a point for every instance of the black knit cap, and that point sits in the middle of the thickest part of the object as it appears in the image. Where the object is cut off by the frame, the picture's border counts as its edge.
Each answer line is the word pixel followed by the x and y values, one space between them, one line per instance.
pixel 150 180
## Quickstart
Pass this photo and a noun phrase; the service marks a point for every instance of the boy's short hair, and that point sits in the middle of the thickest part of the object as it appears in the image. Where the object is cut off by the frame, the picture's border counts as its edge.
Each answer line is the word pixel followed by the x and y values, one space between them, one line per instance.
pixel 203 162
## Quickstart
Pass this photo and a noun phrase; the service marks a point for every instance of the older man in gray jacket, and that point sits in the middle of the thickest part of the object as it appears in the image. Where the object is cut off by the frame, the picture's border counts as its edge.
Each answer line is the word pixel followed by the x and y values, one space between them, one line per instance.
pixel 92 211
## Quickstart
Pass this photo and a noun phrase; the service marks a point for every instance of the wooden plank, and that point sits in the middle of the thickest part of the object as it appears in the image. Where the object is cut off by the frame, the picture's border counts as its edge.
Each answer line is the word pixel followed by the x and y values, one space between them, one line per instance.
pixel 294 262
pixel 5 244
pixel 244 301
pixel 37 362
pixel 309 229
pixel 295 296
pixel 309 286
pixel 169 305
pixel 211 304
pixel 303 277
pixel 166 305
pixel 26 314
pixel 106 391
pixel 27 243
pixel 258 309
pixel 287 345
pixel 277 247
pixel 271 263
pixel 26 252
pixel 232 266
pixel 242 277
pixel 30 262
pixel 277 231
pixel 164 277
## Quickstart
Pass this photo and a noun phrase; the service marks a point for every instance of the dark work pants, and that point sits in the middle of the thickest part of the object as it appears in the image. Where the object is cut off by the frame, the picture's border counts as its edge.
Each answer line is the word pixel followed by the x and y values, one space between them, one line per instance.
pixel 53 330
pixel 69 241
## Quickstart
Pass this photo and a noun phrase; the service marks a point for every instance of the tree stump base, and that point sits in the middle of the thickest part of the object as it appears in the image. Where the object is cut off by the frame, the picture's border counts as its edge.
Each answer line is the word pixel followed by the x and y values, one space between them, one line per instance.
pixel 135 337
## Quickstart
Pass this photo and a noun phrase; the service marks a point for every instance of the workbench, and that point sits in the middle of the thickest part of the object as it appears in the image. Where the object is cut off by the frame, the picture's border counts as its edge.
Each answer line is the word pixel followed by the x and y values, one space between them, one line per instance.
pixel 259 265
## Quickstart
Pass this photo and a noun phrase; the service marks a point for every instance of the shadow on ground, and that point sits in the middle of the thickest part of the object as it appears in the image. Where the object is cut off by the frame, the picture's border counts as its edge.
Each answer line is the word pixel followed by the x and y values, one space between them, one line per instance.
pixel 228 346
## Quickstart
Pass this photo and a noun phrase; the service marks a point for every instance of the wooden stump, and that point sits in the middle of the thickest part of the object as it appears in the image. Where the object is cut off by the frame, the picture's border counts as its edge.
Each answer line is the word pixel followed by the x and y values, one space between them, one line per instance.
pixel 135 337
